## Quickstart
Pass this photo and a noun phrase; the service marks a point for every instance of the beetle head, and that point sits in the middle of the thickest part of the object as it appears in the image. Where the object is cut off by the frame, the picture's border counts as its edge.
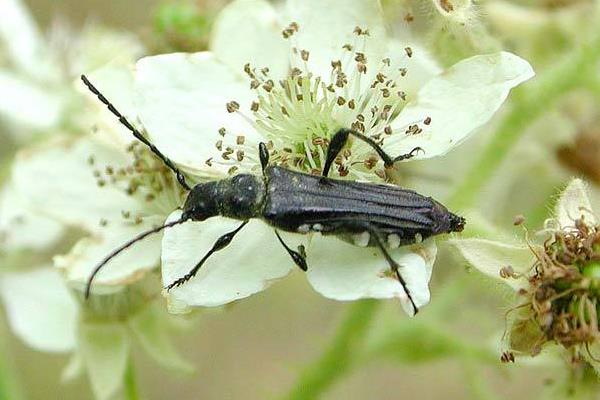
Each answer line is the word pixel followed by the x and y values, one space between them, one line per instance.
pixel 457 223
pixel 202 202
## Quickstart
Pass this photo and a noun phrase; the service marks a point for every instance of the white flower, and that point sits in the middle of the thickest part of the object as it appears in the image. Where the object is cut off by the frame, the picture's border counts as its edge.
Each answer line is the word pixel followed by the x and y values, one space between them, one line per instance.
pixel 36 70
pixel 49 192
pixel 556 280
pixel 335 68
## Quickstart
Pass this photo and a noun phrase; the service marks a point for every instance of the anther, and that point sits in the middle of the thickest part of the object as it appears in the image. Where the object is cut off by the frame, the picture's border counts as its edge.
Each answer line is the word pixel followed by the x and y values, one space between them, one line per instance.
pixel 233 106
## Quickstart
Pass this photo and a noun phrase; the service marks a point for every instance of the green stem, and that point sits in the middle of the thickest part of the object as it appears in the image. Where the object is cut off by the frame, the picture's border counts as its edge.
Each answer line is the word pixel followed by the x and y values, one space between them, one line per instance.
pixel 338 358
pixel 9 383
pixel 529 102
pixel 129 382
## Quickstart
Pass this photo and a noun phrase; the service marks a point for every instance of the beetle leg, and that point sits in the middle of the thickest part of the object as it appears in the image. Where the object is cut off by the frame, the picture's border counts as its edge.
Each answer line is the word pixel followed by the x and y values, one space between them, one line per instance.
pixel 220 244
pixel 338 141
pixel 299 256
pixel 393 265
pixel 263 153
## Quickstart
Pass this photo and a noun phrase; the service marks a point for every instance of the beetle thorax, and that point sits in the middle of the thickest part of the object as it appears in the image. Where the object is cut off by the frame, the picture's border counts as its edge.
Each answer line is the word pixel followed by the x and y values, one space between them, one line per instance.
pixel 240 197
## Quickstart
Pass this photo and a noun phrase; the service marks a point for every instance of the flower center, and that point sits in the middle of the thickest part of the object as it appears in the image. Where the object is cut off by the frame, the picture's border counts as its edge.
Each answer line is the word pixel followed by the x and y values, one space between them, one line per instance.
pixel 563 294
pixel 300 113
pixel 146 178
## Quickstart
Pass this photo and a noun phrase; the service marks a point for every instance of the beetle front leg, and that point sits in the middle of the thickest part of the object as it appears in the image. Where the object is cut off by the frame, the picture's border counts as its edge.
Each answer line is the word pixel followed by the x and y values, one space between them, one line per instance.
pixel 220 244
pixel 338 141
pixel 299 257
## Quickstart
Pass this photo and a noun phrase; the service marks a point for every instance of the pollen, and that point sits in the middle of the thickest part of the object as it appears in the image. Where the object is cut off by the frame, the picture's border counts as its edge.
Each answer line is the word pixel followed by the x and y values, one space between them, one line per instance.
pixel 300 112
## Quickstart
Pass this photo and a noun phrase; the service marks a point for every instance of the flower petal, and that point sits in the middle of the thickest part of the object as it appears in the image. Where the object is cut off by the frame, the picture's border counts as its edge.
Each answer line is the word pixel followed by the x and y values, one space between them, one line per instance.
pixel 21 37
pixel 128 266
pixel 22 229
pixel 420 66
pixel 253 23
pixel 490 257
pixel 457 102
pixel 27 104
pixel 573 204
pixel 252 261
pixel 105 350
pixel 48 328
pixel 327 25
pixel 151 331
pixel 116 84
pixel 56 180
pixel 342 271
pixel 181 101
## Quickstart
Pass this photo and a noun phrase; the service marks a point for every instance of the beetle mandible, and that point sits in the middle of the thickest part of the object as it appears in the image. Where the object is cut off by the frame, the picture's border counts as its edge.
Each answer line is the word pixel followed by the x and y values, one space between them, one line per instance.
pixel 367 214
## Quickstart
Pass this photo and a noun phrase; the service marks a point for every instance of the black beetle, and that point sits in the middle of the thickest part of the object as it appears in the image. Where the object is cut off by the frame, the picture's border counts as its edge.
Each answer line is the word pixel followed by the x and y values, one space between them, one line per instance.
pixel 365 213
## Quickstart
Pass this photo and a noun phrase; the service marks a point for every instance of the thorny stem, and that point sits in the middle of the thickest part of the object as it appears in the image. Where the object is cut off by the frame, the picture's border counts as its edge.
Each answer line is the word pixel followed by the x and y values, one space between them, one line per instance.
pixel 129 382
pixel 528 103
pixel 337 359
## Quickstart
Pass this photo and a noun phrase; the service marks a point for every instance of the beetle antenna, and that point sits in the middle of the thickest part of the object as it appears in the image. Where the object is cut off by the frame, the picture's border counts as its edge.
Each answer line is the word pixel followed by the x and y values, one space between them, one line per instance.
pixel 125 246
pixel 136 133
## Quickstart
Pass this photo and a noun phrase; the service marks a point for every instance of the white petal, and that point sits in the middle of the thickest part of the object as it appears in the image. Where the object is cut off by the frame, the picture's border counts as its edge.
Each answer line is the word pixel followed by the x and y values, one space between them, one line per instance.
pixel 22 38
pixel 181 100
pixel 151 330
pixel 252 261
pixel 342 271
pixel 327 25
pixel 420 66
pixel 573 204
pixel 105 350
pixel 40 309
pixel 56 180
pixel 247 31
pixel 28 104
pixel 20 228
pixel 490 257
pixel 458 101
pixel 116 84
pixel 127 267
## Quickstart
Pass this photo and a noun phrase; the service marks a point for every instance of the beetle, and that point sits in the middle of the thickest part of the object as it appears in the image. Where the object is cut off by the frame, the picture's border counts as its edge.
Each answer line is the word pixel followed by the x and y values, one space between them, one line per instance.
pixel 366 214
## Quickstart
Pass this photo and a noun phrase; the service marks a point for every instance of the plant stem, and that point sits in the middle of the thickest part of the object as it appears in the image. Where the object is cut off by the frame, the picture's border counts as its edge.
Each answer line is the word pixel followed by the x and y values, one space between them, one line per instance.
pixel 528 103
pixel 337 359
pixel 130 385
pixel 9 382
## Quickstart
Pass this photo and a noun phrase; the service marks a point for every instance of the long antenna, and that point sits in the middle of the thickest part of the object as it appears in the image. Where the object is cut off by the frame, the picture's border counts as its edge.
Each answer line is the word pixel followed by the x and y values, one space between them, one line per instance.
pixel 126 246
pixel 138 135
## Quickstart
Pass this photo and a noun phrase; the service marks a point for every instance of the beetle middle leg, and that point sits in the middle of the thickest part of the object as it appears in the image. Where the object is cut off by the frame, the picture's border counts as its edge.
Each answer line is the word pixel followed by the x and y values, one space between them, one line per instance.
pixel 220 244
pixel 338 141
pixel 299 257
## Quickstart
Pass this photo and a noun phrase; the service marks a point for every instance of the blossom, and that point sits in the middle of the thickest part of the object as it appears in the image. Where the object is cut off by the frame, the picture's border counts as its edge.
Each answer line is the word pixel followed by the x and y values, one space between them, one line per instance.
pixel 555 279
pixel 292 80
pixel 46 199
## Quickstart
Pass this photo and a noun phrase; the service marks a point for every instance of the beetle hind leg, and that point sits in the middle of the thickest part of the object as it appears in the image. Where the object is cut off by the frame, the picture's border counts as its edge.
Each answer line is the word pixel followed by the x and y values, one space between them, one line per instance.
pixel 394 267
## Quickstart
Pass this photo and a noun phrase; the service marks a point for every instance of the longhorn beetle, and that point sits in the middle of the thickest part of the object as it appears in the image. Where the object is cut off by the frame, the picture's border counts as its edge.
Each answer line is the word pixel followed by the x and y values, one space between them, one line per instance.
pixel 383 216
